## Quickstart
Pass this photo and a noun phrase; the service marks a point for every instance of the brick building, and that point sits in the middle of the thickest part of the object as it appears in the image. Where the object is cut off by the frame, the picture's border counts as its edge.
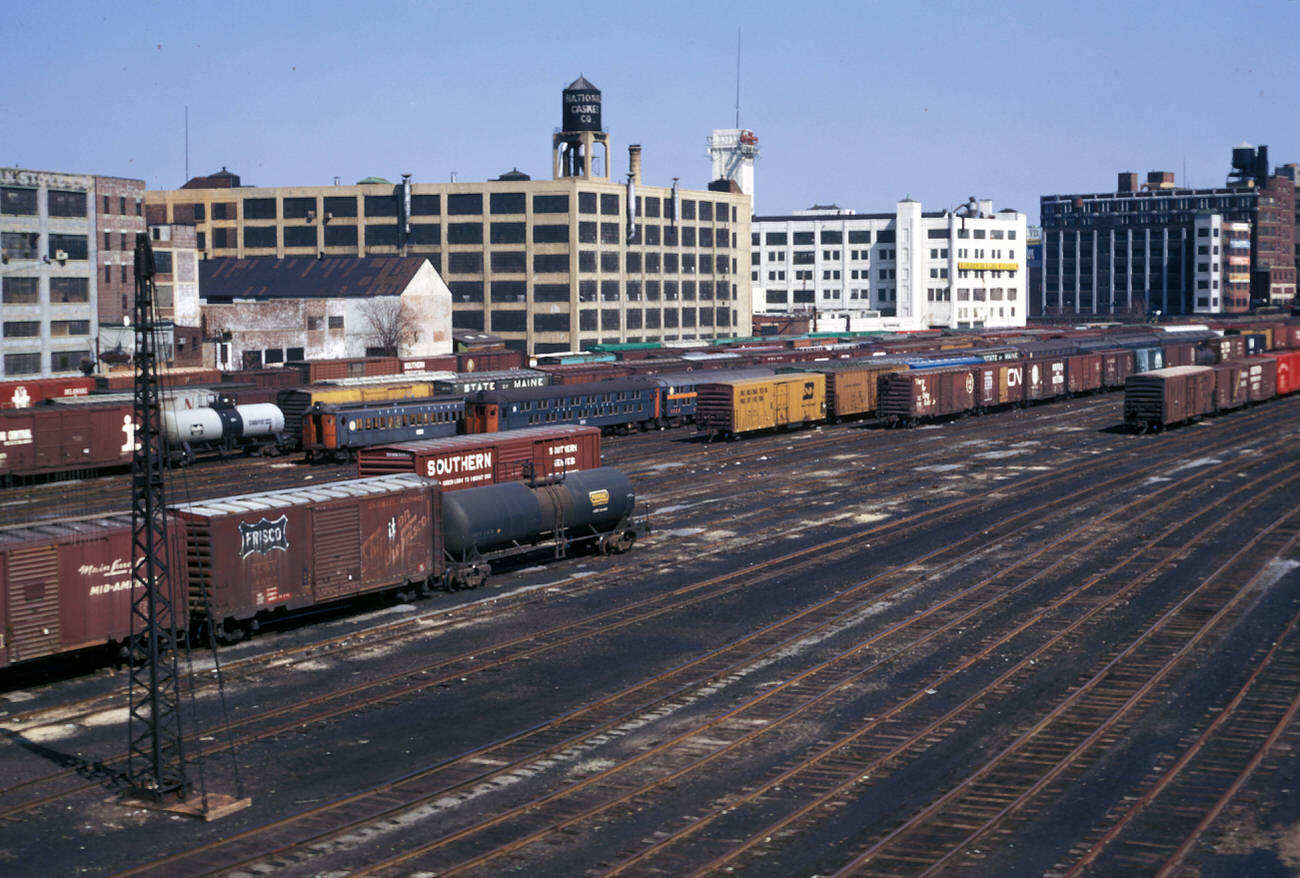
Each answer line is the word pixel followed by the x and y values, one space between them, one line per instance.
pixel 547 265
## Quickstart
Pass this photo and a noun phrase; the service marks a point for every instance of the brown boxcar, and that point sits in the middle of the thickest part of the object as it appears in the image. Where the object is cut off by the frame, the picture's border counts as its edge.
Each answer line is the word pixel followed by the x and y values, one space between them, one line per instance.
pixel 487 458
pixel 999 383
pixel 851 386
pixel 51 439
pixel 1261 378
pixel 1180 353
pixel 265 377
pixel 744 406
pixel 447 363
pixel 583 373
pixel 1226 347
pixel 907 397
pixel 1116 366
pixel 1288 370
pixel 66 586
pixel 21 394
pixel 1045 378
pixel 1163 397
pixel 495 360
pixel 1083 373
pixel 1231 385
pixel 282 550
pixel 179 377
pixel 312 371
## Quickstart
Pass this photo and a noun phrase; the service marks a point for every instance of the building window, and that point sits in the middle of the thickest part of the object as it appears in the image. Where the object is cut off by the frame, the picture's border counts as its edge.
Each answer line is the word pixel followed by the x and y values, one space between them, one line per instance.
pixel 508 261
pixel 336 207
pixel 335 236
pixel 552 234
pixel 259 236
pixel 465 204
pixel 22 328
pixel 259 208
pixel 24 290
pixel 67 203
pixel 336 321
pixel 426 205
pixel 64 328
pixel 16 201
pixel 551 263
pixel 380 205
pixel 19 245
pixel 508 233
pixel 300 236
pixel 65 361
pixel 464 233
pixel 507 202
pixel 551 204
pixel 381 236
pixel 465 263
pixel 22 364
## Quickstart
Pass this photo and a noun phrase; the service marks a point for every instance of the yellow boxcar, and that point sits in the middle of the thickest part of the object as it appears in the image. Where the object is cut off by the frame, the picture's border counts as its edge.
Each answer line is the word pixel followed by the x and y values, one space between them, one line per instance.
pixel 747 405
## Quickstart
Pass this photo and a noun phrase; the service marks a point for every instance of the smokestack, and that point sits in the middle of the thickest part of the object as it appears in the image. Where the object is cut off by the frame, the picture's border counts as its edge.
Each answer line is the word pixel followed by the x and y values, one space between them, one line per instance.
pixel 634 162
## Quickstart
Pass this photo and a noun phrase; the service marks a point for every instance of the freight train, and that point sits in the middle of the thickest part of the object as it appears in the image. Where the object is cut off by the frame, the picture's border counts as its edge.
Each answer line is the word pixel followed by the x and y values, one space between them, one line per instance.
pixel 1156 400
pixel 239 561
pixel 653 387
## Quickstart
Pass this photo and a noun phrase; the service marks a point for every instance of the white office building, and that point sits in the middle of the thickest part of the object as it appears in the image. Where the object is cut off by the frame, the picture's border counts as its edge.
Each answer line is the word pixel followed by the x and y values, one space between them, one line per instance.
pixel 964 268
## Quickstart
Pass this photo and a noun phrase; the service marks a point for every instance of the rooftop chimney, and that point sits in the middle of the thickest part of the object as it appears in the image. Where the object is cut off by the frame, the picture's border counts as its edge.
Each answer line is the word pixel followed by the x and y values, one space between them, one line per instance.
pixel 634 162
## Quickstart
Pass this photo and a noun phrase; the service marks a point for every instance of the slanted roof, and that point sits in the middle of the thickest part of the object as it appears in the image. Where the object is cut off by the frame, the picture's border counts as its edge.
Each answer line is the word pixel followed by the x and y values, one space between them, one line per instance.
pixel 349 277
pixel 582 84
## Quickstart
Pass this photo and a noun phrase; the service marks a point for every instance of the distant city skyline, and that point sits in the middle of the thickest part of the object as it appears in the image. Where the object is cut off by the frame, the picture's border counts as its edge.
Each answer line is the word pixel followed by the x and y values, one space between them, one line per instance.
pixel 855 104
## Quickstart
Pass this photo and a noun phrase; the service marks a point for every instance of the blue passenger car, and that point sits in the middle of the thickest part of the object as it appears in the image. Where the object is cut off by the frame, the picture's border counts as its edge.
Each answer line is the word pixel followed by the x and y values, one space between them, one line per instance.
pixel 337 430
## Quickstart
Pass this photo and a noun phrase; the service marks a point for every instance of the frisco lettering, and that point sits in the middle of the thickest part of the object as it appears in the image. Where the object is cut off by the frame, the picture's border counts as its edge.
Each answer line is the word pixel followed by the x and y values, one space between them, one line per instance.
pixel 450 466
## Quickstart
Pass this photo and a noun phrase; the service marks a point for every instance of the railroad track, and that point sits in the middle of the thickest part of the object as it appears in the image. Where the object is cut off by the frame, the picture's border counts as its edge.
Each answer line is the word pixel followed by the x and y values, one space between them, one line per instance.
pixel 388 792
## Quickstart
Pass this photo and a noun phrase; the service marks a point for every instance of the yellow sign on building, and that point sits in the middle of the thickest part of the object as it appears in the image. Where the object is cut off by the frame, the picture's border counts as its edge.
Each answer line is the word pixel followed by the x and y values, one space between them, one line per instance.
pixel 987 266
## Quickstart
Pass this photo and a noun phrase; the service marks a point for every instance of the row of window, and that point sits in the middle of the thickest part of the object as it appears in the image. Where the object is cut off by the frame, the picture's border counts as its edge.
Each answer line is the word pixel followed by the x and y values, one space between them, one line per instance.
pixel 26 245
pixel 30 363
pixel 63 290
pixel 458 204
pixel 588 291
pixel 57 328
pixel 345 235
pixel 591 320
pixel 828 236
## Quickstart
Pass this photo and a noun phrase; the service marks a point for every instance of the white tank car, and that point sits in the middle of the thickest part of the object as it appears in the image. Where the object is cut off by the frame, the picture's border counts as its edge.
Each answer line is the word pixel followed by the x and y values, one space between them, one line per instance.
pixel 190 431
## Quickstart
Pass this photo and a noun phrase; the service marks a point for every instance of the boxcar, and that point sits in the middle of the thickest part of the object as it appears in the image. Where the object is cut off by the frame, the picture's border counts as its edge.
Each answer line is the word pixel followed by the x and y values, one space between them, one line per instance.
pixel 1116 366
pixel 999 384
pixel 488 458
pixel 1083 373
pixel 679 391
pixel 338 430
pixel 21 394
pixel 733 408
pixel 50 439
pixel 1226 347
pixel 1288 370
pixel 617 405
pixel 1261 378
pixel 908 397
pixel 489 360
pixel 1045 378
pixel 67 586
pixel 1164 397
pixel 851 386
pixel 255 554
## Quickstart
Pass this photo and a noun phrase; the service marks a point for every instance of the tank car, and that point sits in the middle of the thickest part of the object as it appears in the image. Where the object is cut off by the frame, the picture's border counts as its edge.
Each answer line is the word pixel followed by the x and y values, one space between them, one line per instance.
pixel 590 507
pixel 224 428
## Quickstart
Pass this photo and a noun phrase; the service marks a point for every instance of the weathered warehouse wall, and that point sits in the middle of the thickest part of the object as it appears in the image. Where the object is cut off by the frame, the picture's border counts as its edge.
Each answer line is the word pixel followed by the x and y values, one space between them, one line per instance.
pixel 272 331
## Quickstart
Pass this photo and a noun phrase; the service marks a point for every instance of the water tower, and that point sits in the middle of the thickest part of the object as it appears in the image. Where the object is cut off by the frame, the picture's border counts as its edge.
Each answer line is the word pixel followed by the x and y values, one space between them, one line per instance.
pixel 574 144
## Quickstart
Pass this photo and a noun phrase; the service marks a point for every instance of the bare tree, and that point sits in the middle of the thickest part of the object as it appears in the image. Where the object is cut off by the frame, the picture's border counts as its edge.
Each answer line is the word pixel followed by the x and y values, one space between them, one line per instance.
pixel 392 325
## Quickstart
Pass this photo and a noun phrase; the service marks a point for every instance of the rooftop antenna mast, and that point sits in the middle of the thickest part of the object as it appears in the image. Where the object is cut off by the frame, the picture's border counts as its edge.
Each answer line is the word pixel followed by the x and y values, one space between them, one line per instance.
pixel 737 77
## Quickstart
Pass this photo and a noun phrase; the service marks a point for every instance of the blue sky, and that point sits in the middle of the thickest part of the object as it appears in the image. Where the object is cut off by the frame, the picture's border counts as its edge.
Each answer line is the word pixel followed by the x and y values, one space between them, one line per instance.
pixel 856 103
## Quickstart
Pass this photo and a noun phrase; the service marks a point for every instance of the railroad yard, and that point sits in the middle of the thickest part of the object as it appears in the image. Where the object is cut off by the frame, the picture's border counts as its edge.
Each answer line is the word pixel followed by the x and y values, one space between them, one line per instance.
pixel 1026 643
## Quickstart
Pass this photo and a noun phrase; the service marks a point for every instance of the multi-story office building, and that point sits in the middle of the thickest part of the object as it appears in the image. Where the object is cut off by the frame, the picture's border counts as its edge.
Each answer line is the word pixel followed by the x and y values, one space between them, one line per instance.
pixel 962 268
pixel 66 238
pixel 547 265
pixel 1140 250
